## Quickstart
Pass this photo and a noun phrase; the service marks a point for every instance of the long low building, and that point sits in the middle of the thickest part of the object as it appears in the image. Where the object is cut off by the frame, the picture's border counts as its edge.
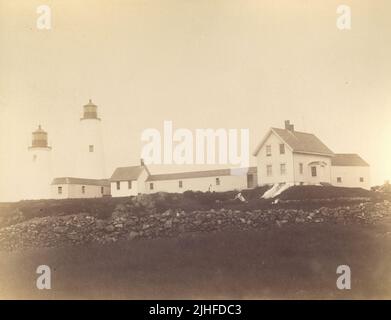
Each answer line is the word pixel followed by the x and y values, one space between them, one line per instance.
pixel 208 180
pixel 70 188
pixel 128 181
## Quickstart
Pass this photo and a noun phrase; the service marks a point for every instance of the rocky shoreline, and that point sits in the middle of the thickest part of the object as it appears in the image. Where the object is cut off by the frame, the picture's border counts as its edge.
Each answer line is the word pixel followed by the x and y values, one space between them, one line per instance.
pixel 126 224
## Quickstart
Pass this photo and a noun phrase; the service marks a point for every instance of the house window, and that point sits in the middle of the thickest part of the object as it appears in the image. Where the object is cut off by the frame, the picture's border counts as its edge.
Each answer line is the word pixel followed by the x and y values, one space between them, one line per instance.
pixel 118 185
pixel 339 179
pixel 91 148
pixel 59 190
pixel 268 150
pixel 361 179
pixel 151 186
pixel 282 169
pixel 180 183
pixel 282 148
pixel 83 189
pixel 129 184
pixel 217 181
pixel 301 168
pixel 313 171
pixel 269 171
pixel 102 190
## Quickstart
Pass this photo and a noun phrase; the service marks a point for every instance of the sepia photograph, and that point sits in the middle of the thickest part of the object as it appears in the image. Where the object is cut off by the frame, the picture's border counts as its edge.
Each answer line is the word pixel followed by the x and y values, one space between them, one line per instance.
pixel 220 150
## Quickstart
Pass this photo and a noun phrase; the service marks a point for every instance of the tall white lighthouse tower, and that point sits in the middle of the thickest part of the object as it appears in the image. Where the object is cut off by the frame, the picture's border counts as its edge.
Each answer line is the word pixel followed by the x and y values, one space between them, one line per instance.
pixel 90 161
pixel 40 168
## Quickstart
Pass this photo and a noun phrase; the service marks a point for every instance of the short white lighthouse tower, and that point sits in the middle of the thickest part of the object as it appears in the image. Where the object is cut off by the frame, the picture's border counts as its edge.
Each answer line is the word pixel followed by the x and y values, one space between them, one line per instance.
pixel 40 168
pixel 90 161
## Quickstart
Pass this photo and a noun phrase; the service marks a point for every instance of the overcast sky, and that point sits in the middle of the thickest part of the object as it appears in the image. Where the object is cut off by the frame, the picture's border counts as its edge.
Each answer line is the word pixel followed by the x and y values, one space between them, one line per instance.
pixel 200 63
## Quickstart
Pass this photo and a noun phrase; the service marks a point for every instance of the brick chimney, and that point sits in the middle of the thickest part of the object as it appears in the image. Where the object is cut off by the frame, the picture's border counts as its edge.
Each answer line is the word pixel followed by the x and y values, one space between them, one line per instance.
pixel 289 126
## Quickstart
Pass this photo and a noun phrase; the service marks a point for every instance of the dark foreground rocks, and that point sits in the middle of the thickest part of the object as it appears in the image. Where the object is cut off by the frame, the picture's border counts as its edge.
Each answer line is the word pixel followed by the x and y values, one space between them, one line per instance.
pixel 128 223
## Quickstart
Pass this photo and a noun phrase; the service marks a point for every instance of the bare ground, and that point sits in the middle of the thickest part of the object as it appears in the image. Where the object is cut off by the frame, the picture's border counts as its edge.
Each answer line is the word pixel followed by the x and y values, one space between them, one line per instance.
pixel 291 262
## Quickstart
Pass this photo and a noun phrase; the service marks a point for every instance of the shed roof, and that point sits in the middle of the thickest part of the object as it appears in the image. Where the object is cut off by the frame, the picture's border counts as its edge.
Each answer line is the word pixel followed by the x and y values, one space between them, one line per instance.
pixel 127 173
pixel 348 159
pixel 81 181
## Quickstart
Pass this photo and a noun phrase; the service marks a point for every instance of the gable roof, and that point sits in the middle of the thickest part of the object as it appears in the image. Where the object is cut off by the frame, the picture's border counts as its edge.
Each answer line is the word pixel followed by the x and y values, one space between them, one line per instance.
pixel 348 159
pixel 299 142
pixel 127 173
pixel 195 174
pixel 71 180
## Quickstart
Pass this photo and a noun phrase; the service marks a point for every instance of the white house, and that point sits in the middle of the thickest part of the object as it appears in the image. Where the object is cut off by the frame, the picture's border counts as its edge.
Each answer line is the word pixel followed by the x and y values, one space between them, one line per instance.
pixel 350 170
pixel 129 181
pixel 289 156
pixel 70 188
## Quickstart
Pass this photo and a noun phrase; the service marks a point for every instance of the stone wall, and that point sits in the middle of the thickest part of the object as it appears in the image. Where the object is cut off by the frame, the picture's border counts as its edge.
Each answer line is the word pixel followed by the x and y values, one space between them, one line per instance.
pixel 126 223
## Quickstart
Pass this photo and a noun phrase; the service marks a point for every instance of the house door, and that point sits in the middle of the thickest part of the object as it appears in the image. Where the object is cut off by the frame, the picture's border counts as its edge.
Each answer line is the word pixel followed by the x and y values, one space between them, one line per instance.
pixel 318 172
pixel 250 181
pixel 314 172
